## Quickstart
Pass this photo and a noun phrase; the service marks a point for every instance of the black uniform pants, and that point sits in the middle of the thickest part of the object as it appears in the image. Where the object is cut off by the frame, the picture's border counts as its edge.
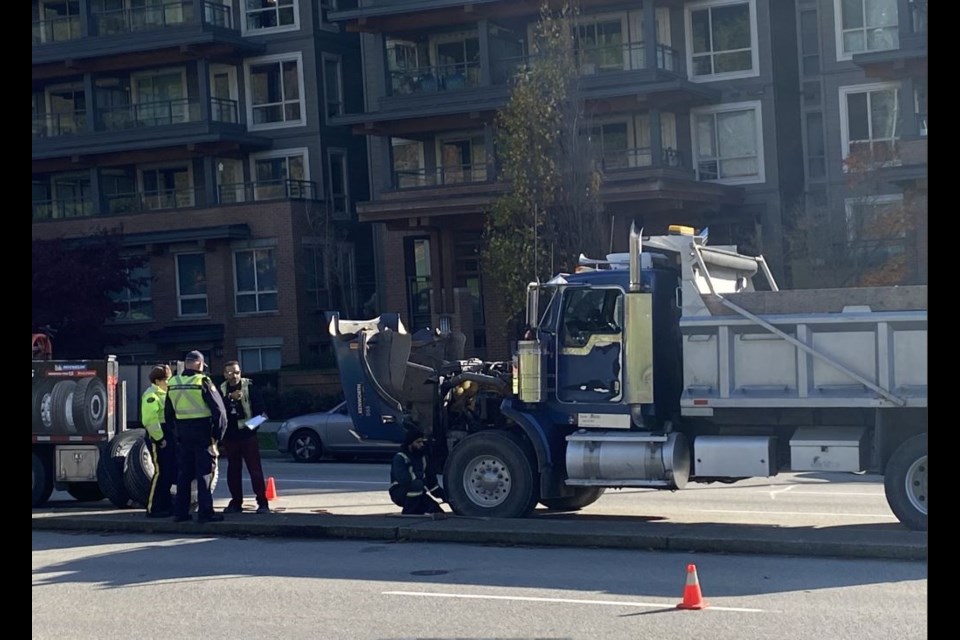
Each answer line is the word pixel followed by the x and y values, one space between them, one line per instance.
pixel 195 463
pixel 165 472
pixel 413 505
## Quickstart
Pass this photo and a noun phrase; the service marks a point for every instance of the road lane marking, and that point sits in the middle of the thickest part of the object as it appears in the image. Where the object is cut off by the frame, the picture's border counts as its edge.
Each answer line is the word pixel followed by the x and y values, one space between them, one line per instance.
pixel 612 603
pixel 798 513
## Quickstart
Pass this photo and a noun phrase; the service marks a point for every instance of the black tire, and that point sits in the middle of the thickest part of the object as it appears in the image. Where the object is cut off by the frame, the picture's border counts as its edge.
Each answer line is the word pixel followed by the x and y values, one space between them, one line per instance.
pixel 582 496
pixel 85 491
pixel 42 482
pixel 491 474
pixel 905 483
pixel 110 466
pixel 90 405
pixel 305 446
pixel 138 472
pixel 42 415
pixel 61 406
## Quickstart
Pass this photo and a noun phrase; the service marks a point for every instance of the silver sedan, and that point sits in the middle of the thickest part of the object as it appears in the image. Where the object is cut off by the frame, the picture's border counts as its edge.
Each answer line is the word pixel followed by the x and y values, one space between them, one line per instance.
pixel 313 436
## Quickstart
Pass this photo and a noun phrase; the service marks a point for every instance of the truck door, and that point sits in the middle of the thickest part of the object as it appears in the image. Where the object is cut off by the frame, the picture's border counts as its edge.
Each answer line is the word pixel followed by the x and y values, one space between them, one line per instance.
pixel 590 346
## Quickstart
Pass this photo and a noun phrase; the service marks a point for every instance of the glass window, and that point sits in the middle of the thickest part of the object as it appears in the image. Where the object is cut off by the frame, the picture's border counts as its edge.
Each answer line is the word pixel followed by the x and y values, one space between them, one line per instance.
pixel 275 92
pixel 728 145
pixel 136 303
pixel 810 42
pixel 871 122
pixel 610 142
pixel 167 187
pixel 722 40
pixel 338 181
pixel 270 14
pixel 816 153
pixel 867 25
pixel 332 87
pixel 256 280
pixel 876 229
pixel 316 277
pixel 279 176
pixel 192 284
pixel 407 163
pixel 256 359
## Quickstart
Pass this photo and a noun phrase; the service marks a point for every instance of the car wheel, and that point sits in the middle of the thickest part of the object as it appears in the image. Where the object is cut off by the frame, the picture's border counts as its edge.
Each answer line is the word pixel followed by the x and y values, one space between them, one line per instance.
pixel 305 446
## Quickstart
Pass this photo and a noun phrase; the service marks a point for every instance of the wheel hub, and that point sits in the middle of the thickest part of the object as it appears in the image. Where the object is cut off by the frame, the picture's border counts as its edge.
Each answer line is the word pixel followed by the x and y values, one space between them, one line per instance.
pixel 487 481
pixel 917 485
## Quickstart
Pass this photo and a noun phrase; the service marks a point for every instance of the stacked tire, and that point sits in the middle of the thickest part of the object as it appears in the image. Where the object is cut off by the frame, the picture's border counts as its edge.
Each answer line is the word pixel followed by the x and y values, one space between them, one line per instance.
pixel 69 406
pixel 139 470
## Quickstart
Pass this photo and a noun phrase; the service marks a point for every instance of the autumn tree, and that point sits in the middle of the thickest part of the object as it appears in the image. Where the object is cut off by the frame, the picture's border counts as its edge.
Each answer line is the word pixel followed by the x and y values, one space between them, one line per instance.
pixel 75 290
pixel 872 242
pixel 551 211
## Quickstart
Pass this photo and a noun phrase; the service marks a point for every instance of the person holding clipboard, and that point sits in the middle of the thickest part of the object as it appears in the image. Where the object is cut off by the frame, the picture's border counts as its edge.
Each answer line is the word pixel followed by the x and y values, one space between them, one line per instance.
pixel 241 445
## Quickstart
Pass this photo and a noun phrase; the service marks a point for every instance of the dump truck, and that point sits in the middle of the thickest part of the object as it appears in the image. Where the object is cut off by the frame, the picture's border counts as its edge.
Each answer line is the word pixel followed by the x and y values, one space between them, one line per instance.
pixel 676 362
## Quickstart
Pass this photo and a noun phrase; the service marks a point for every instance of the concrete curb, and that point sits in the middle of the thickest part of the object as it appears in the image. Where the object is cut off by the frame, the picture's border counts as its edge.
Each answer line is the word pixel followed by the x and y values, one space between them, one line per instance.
pixel 532 532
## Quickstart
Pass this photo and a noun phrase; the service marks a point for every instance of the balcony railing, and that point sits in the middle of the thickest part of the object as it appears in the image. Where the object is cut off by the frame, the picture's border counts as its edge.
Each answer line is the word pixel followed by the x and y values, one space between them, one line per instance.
pixel 143 18
pixel 601 59
pixel 172 199
pixel 638 157
pixel 48 125
pixel 442 176
pixel 56 30
pixel 447 77
pixel 150 114
pixel 267 190
pixel 62 208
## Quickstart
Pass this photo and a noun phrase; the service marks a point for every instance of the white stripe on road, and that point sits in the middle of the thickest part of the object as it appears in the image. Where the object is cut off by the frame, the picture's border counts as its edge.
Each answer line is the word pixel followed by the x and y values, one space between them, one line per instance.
pixel 612 603
pixel 798 513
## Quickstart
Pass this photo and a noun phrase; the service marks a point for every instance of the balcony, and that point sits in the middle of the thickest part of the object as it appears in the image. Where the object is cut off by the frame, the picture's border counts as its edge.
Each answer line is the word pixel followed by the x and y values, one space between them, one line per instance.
pixel 443 176
pixel 105 41
pixel 172 199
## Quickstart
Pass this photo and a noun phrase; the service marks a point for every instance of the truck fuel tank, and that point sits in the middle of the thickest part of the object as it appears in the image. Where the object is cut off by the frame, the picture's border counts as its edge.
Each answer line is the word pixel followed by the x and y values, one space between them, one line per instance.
pixel 628 459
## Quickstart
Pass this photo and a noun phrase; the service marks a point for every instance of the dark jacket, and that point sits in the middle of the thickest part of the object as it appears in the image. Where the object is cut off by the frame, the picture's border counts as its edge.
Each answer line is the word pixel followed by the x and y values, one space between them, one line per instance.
pixel 411 473
pixel 217 421
pixel 235 410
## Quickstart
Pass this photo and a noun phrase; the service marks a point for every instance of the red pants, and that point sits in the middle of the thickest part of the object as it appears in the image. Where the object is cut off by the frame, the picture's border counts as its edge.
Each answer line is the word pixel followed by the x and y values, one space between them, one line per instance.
pixel 239 452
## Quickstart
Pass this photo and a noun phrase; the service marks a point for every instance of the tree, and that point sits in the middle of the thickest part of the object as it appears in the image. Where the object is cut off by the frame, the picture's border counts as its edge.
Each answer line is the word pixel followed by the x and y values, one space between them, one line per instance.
pixel 74 290
pixel 871 244
pixel 551 212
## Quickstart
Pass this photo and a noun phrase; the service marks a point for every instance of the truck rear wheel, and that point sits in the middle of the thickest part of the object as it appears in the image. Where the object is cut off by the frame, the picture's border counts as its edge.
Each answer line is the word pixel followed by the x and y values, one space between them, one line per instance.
pixel 42 482
pixel 110 466
pixel 905 483
pixel 582 496
pixel 490 474
pixel 85 491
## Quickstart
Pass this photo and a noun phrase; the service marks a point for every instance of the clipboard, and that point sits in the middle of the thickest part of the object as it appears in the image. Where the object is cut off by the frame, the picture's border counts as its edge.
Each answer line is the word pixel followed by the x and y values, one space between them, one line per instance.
pixel 255 422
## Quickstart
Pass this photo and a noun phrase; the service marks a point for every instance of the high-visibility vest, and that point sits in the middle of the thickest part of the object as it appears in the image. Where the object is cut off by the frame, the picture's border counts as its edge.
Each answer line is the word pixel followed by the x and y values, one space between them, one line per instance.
pixel 244 399
pixel 151 411
pixel 186 395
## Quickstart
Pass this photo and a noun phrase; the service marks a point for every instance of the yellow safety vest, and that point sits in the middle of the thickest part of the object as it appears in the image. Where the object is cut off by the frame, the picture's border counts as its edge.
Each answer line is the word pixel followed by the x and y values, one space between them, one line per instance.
pixel 151 411
pixel 186 395
pixel 244 399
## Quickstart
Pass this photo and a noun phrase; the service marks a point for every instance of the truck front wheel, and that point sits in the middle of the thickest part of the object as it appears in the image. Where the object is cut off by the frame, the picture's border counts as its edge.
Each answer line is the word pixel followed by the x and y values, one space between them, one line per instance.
pixel 905 483
pixel 490 474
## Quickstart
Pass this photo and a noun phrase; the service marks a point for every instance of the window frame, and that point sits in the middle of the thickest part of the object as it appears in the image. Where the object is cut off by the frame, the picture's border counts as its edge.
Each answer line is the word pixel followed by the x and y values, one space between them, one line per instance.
pixel 181 297
pixel 286 154
pixel 257 292
pixel 277 59
pixel 246 30
pixel 340 102
pixel 754 105
pixel 871 87
pixel 688 11
pixel 245 351
pixel 838 32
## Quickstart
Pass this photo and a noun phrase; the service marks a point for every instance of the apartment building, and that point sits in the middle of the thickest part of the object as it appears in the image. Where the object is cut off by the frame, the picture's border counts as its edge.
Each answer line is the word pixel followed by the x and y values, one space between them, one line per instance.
pixel 203 130
pixel 692 107
pixel 864 97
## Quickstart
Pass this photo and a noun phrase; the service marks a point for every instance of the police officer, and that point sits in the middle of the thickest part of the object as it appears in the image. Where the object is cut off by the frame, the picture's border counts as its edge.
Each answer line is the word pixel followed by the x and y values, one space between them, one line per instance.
pixel 195 407
pixel 161 442
pixel 411 478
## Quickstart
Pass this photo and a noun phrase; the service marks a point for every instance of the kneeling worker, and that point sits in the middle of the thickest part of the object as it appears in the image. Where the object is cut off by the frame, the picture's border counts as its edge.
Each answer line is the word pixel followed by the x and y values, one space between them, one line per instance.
pixel 411 479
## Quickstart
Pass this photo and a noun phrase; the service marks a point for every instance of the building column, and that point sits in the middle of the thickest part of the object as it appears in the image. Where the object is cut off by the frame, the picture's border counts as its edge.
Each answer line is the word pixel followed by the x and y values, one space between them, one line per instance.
pixel 649 35
pixel 87 27
pixel 483 29
pixel 96 202
pixel 685 140
pixel 490 151
pixel 908 119
pixel 198 11
pixel 89 104
pixel 210 187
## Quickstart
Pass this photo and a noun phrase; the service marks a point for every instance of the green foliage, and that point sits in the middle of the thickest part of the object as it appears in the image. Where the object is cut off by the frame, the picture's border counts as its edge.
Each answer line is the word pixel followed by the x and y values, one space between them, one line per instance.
pixel 551 212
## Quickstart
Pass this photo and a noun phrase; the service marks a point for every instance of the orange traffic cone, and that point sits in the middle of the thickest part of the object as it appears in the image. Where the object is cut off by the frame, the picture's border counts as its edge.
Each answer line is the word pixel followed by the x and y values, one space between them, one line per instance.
pixel 272 489
pixel 692 598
